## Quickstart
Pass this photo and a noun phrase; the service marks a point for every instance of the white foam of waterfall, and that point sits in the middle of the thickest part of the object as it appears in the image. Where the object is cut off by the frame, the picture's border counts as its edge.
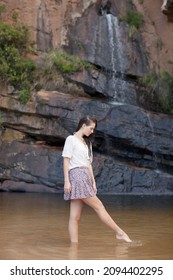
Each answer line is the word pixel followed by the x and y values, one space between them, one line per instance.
pixel 116 103
pixel 115 41
pixel 111 40
pixel 116 56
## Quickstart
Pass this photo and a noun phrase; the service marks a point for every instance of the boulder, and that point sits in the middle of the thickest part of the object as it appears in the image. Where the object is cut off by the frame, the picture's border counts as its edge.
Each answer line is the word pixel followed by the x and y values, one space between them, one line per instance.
pixel 30 167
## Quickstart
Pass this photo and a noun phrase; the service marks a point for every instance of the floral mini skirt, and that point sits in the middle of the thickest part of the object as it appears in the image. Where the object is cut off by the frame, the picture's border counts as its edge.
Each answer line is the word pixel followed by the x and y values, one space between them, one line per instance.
pixel 81 184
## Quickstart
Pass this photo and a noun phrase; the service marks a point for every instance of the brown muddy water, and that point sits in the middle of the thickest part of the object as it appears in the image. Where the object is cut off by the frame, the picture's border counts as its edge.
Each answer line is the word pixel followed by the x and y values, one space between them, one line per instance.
pixel 34 227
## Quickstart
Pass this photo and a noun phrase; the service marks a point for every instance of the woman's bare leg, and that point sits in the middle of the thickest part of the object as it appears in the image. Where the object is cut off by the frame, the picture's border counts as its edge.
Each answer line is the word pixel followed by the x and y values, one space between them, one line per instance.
pixel 75 213
pixel 97 205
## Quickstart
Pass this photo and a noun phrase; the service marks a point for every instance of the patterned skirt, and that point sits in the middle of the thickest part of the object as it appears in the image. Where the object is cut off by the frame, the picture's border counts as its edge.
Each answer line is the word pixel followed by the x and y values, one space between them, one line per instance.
pixel 81 184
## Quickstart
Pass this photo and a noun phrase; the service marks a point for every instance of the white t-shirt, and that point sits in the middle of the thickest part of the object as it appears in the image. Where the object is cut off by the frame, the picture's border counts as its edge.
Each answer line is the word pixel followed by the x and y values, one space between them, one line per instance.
pixel 77 151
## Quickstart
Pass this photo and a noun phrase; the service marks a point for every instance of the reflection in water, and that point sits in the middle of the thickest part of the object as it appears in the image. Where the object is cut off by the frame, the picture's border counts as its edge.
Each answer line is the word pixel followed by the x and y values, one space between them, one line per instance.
pixel 35 226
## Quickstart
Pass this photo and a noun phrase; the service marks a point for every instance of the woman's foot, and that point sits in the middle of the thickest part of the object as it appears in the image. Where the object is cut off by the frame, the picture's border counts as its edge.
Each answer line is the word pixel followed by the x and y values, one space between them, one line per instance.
pixel 123 236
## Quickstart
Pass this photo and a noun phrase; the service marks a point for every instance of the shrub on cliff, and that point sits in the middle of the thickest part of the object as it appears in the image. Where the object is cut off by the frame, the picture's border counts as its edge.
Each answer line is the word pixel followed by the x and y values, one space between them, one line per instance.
pixel 134 20
pixel 67 63
pixel 15 68
pixel 54 69
pixel 160 85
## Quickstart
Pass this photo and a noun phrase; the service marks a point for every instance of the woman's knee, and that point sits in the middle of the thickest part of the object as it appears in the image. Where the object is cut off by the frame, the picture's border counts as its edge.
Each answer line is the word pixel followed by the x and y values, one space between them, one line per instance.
pixel 75 210
pixel 75 217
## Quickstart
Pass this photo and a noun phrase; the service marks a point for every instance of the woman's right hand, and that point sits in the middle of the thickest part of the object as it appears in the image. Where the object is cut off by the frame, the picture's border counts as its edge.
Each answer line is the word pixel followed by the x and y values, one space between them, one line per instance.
pixel 67 187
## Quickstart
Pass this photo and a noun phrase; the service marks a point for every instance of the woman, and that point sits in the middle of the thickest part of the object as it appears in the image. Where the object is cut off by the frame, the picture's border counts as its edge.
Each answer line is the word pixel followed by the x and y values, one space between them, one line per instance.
pixel 79 182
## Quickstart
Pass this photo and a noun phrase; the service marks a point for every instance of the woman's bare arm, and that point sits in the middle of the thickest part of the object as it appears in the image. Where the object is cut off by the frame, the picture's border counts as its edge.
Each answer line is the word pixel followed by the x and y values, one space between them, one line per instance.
pixel 67 186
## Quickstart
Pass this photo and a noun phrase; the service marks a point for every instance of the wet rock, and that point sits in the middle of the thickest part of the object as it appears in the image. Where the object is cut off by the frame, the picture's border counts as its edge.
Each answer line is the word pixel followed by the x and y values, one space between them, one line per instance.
pixel 104 7
pixel 38 168
pixel 12 186
pixel 135 144
pixel 53 114
pixel 104 41
pixel 30 167
pixel 114 177
pixel 108 84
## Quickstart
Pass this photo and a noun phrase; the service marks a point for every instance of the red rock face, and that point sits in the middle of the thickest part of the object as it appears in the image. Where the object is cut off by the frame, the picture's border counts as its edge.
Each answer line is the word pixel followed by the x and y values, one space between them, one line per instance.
pixel 157 32
pixel 50 21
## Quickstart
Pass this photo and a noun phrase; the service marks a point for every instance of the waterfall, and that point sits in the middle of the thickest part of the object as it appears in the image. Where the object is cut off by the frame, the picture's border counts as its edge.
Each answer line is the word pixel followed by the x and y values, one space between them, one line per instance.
pixel 115 44
pixel 116 57
pixel 108 50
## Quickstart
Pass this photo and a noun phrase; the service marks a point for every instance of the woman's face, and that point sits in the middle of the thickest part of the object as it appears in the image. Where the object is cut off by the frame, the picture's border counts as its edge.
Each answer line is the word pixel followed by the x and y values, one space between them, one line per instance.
pixel 88 129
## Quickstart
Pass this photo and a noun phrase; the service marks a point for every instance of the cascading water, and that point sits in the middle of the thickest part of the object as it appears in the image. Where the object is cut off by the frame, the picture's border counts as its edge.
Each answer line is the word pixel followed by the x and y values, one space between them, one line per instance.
pixel 114 37
pixel 108 49
pixel 116 58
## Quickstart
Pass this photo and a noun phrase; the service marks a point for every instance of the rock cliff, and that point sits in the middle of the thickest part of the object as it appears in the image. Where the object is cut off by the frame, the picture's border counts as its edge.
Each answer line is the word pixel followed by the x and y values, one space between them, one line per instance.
pixel 133 146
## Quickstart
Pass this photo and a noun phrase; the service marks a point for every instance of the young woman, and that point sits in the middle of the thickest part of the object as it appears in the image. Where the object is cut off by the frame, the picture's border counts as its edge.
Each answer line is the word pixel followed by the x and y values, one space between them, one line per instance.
pixel 79 182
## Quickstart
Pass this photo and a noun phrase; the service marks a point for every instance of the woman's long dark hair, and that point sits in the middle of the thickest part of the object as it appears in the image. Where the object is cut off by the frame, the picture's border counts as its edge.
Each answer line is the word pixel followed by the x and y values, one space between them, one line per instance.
pixel 88 140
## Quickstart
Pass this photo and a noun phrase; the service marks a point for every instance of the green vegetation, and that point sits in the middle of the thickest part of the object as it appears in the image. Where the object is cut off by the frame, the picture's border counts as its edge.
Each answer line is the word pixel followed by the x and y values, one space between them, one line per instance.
pixel 132 31
pixel 1 120
pixel 150 80
pixel 15 68
pixel 66 63
pixel 162 86
pixel 25 93
pixel 2 9
pixel 22 73
pixel 15 16
pixel 53 69
pixel 135 21
pixel 141 1
pixel 133 18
